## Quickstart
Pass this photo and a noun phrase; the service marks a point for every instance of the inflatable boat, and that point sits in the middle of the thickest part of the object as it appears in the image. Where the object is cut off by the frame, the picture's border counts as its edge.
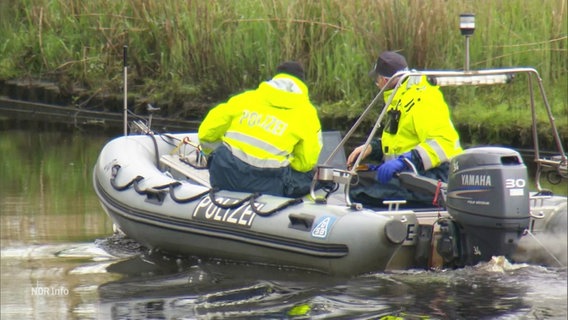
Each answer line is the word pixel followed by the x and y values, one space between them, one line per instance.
pixel 155 187
pixel 164 203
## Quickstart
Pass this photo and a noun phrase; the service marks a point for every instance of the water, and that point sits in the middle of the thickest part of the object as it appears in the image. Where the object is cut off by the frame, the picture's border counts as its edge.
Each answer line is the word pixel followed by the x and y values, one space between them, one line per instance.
pixel 59 260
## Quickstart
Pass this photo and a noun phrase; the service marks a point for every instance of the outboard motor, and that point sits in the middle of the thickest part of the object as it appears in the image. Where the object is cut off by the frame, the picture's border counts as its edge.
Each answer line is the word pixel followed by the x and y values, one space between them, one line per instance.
pixel 488 199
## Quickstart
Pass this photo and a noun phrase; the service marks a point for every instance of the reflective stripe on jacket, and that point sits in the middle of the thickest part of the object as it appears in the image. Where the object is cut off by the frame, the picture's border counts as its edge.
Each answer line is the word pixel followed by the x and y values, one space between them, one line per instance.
pixel 424 124
pixel 271 127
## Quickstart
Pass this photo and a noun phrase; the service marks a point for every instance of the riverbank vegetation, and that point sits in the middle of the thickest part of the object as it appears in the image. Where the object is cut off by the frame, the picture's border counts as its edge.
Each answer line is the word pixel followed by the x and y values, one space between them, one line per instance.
pixel 186 56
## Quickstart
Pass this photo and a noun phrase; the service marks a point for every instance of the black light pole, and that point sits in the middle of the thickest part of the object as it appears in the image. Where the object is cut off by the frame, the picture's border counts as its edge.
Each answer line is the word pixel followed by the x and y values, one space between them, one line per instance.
pixel 467 27
pixel 125 49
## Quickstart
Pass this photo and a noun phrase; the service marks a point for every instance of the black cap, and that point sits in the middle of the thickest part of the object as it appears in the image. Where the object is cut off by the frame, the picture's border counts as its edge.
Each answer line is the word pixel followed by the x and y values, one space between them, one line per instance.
pixel 292 68
pixel 388 63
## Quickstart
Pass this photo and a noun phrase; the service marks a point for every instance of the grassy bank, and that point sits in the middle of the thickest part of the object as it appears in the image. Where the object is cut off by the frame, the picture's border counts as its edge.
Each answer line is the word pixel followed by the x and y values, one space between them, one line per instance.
pixel 188 55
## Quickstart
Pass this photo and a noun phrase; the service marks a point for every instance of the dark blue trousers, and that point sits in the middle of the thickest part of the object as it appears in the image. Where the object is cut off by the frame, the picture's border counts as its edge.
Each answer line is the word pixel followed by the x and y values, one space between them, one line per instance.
pixel 230 173
pixel 372 193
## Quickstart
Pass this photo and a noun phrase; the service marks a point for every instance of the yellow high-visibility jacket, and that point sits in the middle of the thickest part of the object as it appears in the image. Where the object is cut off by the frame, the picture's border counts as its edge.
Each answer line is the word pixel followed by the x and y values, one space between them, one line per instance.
pixel 273 126
pixel 424 124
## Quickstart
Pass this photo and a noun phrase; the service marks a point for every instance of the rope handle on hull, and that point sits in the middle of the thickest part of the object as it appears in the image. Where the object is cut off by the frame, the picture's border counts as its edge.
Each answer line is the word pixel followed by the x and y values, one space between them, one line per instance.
pixel 159 190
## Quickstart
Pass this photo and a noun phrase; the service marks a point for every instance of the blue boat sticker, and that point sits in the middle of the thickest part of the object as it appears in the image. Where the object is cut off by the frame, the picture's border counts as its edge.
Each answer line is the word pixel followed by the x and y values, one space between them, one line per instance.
pixel 323 226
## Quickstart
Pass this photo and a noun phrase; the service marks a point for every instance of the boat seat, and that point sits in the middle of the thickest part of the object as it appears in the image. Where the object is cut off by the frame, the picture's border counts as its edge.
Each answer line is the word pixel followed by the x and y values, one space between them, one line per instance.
pixel 177 167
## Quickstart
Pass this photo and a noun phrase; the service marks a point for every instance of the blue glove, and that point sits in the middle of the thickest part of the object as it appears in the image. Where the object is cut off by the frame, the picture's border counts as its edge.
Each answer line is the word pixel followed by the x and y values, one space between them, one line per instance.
pixel 388 169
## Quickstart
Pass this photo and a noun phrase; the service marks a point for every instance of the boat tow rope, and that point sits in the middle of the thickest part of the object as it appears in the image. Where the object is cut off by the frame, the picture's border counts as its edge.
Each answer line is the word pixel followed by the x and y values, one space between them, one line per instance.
pixel 527 231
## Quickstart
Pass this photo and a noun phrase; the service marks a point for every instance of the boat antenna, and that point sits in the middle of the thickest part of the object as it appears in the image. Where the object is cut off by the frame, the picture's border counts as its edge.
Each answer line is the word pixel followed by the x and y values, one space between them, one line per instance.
pixel 467 27
pixel 124 54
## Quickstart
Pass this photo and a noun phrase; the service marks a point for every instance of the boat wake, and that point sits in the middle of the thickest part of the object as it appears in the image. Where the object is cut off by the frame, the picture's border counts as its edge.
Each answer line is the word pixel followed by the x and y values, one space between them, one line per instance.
pixel 120 246
pixel 499 264
pixel 549 249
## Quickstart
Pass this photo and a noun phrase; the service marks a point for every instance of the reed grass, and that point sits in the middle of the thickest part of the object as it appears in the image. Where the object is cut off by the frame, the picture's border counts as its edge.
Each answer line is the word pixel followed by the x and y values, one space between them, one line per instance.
pixel 183 53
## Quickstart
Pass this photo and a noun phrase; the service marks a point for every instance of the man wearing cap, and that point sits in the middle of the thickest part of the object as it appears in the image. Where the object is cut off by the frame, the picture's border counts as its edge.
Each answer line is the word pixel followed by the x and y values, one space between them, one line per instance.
pixel 417 128
pixel 265 140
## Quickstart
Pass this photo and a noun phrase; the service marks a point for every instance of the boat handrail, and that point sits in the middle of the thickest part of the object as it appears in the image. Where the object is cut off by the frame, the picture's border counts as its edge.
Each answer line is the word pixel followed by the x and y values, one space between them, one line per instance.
pixel 465 78
pixel 394 205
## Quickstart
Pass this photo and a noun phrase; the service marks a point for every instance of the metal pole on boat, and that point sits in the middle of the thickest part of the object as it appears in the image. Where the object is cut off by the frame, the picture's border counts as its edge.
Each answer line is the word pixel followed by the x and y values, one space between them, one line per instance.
pixel 467 27
pixel 125 49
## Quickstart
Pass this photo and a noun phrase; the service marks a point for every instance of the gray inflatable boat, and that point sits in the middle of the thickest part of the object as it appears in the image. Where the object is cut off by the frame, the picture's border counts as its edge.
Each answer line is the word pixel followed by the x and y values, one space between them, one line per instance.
pixel 155 188
pixel 156 194
pixel 157 197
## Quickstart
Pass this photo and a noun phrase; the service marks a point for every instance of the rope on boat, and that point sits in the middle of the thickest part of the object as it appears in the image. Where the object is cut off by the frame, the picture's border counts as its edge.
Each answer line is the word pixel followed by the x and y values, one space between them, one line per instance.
pixel 200 157
pixel 114 173
pixel 185 200
pixel 545 249
pixel 157 152
pixel 439 199
pixel 250 197
pixel 159 190
pixel 329 189
pixel 153 190
pixel 186 141
pixel 267 213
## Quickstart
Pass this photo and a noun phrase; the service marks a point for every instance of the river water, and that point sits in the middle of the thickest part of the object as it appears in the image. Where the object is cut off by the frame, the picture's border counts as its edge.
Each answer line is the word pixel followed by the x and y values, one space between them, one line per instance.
pixel 60 260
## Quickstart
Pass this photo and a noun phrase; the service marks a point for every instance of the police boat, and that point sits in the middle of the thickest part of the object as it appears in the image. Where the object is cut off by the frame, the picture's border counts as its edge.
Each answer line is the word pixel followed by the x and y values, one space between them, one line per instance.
pixel 156 192
pixel 155 187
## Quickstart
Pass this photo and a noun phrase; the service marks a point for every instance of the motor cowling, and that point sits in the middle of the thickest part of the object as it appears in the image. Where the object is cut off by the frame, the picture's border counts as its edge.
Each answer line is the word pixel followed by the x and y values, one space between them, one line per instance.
pixel 488 198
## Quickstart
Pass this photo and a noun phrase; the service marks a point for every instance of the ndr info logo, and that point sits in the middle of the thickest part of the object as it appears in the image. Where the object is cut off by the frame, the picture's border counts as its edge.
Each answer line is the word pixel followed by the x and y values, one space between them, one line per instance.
pixel 49 291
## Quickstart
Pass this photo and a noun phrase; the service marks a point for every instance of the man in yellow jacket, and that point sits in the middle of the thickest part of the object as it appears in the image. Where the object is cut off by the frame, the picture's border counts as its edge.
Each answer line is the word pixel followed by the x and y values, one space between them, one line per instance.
pixel 266 140
pixel 417 127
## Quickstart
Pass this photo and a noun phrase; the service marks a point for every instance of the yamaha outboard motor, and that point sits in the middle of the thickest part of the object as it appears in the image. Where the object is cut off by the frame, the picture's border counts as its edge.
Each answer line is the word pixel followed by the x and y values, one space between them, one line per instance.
pixel 488 198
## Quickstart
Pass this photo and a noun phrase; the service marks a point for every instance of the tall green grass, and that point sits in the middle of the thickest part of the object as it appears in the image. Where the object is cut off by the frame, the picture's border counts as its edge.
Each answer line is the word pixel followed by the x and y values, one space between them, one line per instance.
pixel 188 53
